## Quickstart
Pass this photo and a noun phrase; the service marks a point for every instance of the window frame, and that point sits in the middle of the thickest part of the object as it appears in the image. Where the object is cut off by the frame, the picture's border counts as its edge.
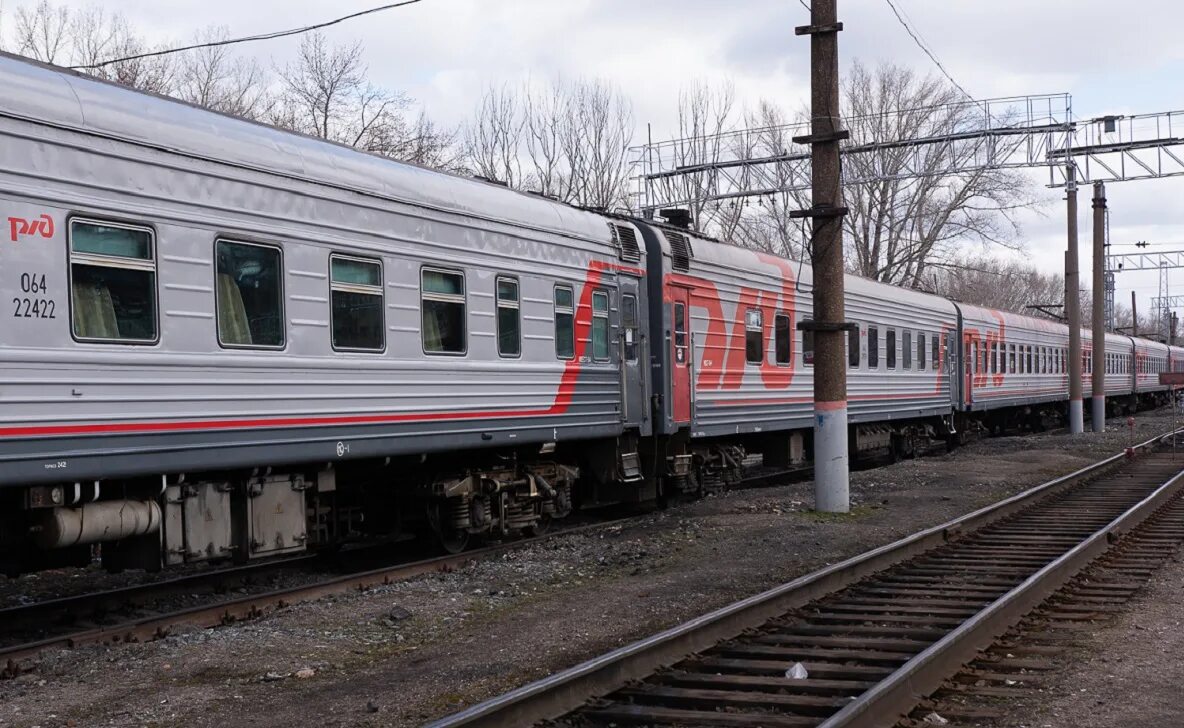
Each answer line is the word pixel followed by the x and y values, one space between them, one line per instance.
pixel 555 311
pixel 873 347
pixel 283 297
pixel 853 347
pixel 497 318
pixel 759 330
pixel 906 349
pixel 935 354
pixel 890 347
pixel 155 270
pixel 788 361
pixel 608 328
pixel 464 296
pixel 357 288
pixel 630 327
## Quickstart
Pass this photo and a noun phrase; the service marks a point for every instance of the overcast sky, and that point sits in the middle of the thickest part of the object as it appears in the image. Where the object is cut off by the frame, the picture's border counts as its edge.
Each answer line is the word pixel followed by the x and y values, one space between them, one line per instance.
pixel 1114 57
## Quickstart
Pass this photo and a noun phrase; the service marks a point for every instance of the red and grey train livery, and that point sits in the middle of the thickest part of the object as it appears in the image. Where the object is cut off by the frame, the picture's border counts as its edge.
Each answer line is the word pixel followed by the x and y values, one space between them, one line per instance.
pixel 227 341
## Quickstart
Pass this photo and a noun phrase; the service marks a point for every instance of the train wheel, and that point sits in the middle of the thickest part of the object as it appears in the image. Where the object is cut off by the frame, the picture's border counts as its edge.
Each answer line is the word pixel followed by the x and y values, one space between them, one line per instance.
pixel 452 540
pixel 541 526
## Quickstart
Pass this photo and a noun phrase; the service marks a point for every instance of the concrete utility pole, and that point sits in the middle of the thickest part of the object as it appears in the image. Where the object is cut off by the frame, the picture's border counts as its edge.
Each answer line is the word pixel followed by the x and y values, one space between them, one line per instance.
pixel 1134 318
pixel 1073 308
pixel 831 486
pixel 1097 415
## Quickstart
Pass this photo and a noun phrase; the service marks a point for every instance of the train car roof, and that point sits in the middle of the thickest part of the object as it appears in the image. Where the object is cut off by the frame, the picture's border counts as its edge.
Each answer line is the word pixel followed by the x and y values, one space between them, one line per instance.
pixel 60 97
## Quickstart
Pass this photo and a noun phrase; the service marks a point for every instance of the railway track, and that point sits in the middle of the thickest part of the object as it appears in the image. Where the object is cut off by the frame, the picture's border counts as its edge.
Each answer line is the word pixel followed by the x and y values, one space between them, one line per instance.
pixel 88 607
pixel 873 633
pixel 130 613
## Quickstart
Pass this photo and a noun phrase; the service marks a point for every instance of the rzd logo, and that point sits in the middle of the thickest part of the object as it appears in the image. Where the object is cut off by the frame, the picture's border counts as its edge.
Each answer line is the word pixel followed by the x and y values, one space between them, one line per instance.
pixel 18 227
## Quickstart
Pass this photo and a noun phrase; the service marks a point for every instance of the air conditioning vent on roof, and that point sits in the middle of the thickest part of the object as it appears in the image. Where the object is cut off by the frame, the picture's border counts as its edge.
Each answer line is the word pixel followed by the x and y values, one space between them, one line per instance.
pixel 680 250
pixel 625 238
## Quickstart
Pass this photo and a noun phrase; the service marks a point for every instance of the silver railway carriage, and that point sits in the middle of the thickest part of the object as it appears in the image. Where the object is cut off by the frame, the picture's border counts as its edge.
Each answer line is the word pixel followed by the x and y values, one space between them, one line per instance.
pixel 229 341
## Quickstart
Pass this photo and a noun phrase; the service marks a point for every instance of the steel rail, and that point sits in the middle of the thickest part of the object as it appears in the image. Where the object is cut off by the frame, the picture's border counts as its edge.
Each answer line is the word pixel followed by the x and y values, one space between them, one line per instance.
pixel 567 690
pixel 224 612
pixel 86 605
pixel 896 694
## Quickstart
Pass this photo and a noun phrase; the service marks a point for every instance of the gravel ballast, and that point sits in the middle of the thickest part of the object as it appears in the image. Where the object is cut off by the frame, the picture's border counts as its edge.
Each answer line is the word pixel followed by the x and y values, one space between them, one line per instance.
pixel 416 650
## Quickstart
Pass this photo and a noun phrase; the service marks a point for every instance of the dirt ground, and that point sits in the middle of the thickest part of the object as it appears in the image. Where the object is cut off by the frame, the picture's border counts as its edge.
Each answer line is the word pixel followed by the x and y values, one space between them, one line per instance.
pixel 1128 673
pixel 409 652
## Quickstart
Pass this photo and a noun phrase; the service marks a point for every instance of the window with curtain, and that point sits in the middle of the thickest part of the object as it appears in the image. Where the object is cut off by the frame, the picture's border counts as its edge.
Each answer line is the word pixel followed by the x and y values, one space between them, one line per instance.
pixel 250 295
pixel 112 282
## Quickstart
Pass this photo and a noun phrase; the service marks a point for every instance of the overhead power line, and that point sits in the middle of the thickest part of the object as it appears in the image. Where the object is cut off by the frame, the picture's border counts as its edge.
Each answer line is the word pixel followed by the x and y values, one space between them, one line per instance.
pixel 248 38
pixel 921 44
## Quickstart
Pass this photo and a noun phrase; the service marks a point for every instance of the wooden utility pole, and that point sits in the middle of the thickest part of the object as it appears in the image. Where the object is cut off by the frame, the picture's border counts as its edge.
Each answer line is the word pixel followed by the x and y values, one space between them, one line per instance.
pixel 1073 308
pixel 1097 413
pixel 831 486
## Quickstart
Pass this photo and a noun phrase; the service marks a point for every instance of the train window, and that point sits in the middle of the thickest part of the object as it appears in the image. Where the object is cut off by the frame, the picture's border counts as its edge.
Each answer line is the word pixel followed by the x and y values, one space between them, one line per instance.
pixel 933 360
pixel 565 323
pixel 808 348
pixel 906 344
pixel 629 322
pixel 890 348
pixel 442 301
pixel 873 347
pixel 250 295
pixel 509 322
pixel 112 282
pixel 782 336
pixel 754 339
pixel 853 356
pixel 600 325
pixel 1011 358
pixel 355 290
pixel 921 351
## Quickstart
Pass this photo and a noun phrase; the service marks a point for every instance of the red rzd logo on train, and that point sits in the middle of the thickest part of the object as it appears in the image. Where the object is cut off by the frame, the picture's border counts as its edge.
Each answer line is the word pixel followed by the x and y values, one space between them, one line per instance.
pixel 19 227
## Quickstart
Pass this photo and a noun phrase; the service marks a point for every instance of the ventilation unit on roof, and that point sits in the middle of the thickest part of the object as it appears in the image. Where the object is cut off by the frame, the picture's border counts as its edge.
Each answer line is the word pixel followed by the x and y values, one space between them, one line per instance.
pixel 625 238
pixel 680 250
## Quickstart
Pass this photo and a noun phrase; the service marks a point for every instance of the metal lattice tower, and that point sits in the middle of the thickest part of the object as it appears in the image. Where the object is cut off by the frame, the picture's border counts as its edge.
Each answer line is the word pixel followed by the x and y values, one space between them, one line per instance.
pixel 706 171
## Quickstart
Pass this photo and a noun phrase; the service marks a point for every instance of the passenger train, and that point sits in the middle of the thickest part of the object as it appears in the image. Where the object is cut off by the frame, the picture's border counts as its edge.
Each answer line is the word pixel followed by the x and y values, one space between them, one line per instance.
pixel 227 341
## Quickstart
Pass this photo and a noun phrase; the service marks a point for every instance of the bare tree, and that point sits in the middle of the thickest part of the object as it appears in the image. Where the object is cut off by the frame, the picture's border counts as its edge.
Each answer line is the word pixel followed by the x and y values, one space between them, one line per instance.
pixel 1009 285
pixel 59 35
pixel 567 140
pixel 705 113
pixel 325 93
pixel 597 130
pixel 493 143
pixel 217 79
pixel 42 32
pixel 918 214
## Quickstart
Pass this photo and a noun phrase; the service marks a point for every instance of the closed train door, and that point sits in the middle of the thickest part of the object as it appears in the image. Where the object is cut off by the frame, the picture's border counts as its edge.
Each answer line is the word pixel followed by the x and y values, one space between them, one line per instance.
pixel 680 355
pixel 633 353
pixel 970 360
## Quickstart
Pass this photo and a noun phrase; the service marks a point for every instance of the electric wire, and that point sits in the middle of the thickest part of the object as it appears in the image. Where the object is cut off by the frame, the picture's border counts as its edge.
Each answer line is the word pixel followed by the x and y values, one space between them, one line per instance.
pixel 932 56
pixel 245 39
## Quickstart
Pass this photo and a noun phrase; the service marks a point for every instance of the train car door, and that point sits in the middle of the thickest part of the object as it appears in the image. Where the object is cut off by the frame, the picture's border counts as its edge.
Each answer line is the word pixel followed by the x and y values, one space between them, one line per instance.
pixel 633 347
pixel 680 355
pixel 970 357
